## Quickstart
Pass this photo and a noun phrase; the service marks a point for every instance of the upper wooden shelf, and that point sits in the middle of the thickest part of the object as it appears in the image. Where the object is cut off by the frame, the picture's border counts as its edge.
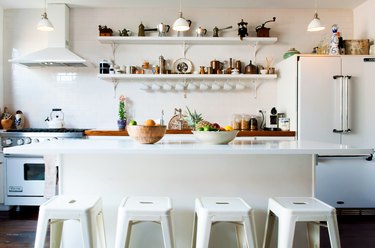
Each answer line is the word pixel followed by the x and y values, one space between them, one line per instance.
pixel 187 40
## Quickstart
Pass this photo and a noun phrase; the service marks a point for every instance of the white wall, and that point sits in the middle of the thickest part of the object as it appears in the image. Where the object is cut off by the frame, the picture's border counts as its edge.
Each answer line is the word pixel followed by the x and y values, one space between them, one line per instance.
pixel 89 102
pixel 1 60
pixel 364 21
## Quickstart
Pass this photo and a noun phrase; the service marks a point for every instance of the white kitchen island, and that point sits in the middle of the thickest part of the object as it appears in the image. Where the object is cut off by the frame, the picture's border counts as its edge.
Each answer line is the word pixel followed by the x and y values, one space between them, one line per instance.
pixel 183 169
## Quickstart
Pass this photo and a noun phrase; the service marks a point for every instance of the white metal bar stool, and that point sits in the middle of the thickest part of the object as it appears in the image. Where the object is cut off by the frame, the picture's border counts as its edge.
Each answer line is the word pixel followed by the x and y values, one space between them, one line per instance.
pixel 289 210
pixel 212 210
pixel 137 209
pixel 86 209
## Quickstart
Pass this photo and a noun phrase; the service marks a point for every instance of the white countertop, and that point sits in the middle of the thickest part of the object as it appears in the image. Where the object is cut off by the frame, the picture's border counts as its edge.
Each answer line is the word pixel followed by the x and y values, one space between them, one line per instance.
pixel 184 144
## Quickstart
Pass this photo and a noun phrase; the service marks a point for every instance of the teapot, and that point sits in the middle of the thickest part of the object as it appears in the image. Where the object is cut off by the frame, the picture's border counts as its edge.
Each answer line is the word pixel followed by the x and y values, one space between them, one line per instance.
pixel 163 29
pixel 201 32
pixel 55 119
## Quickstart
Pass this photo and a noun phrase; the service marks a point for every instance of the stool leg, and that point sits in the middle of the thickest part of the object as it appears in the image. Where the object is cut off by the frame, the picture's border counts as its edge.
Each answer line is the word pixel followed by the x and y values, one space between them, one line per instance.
pixel 313 234
pixel 268 229
pixel 88 232
pixel 249 228
pixel 333 231
pixel 287 227
pixel 203 231
pixel 101 230
pixel 41 230
pixel 194 234
pixel 240 235
pixel 122 230
pixel 166 227
pixel 56 229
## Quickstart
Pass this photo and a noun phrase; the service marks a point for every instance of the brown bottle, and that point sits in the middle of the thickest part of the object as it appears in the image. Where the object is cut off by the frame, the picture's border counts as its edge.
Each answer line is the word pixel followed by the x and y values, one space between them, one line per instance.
pixel 230 66
pixel 250 69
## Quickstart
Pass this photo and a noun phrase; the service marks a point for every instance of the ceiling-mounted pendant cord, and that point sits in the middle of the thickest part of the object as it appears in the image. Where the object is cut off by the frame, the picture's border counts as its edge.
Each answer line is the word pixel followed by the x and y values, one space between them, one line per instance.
pixel 315 24
pixel 44 24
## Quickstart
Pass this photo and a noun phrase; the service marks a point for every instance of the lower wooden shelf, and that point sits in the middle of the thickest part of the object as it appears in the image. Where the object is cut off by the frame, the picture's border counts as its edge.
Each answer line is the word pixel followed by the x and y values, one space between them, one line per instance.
pixel 244 133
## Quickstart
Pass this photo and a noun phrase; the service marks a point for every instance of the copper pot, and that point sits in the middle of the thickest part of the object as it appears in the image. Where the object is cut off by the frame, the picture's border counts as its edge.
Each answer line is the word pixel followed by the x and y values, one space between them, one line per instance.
pixel 216 66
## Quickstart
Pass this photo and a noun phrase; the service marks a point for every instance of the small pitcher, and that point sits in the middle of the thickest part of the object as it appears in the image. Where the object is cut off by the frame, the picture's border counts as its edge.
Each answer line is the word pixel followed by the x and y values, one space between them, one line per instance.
pixel 163 29
pixel 201 32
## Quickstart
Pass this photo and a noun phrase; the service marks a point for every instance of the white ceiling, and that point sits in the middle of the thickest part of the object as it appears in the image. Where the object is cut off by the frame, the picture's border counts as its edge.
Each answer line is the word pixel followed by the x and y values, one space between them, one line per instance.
pixel 267 4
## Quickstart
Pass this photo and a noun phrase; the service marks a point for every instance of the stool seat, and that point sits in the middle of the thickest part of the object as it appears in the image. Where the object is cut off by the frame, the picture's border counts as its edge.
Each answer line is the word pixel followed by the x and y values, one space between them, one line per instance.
pixel 139 209
pixel 211 210
pixel 290 210
pixel 86 209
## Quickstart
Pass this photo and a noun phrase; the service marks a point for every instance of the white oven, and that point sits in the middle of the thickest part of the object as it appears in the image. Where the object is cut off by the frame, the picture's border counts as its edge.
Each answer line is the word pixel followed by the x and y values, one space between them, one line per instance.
pixel 25 180
pixel 24 175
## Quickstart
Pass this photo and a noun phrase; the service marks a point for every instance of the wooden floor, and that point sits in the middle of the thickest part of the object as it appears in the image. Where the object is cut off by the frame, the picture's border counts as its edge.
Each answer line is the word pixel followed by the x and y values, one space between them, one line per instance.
pixel 17 230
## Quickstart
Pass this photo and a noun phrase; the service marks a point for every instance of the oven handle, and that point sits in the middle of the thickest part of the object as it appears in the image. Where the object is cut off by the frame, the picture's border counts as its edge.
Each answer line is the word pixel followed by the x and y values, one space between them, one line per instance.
pixel 21 156
pixel 366 156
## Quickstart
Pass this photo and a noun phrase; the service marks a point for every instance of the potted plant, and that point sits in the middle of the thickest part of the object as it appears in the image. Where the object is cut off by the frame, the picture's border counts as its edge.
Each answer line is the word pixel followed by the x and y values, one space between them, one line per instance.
pixel 121 122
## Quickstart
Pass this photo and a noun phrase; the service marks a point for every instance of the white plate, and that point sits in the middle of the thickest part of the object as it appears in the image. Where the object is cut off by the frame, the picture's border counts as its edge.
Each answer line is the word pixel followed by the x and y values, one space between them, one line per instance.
pixel 182 66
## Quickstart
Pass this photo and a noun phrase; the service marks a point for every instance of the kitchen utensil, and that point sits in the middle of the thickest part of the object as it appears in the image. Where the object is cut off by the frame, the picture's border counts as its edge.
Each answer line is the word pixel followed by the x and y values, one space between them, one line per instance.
pixel 163 29
pixel 242 29
pixel 146 134
pixel 124 32
pixel 55 119
pixel 290 52
pixel 104 67
pixel 216 65
pixel 183 66
pixel 215 138
pixel 201 32
pixel 262 31
pixel 216 30
pixel 250 69
pixel 142 29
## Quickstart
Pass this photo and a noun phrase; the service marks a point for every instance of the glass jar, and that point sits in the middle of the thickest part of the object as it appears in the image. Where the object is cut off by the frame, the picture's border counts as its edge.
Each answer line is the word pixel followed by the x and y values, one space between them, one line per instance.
pixel 245 122
pixel 236 122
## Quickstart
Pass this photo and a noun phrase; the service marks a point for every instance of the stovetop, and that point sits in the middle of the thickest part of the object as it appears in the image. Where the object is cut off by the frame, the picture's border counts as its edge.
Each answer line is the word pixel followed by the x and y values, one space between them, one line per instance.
pixel 47 130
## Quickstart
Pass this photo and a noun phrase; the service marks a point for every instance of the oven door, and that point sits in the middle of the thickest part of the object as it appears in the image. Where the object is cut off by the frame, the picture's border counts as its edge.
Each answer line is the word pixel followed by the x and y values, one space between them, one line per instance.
pixel 24 176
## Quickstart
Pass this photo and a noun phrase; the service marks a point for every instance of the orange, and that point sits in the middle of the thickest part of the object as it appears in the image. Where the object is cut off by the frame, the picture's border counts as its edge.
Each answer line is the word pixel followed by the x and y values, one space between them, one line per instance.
pixel 149 122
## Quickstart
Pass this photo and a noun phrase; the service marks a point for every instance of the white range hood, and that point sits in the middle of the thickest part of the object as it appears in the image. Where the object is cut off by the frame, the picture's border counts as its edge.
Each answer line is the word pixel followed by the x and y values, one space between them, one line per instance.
pixel 57 53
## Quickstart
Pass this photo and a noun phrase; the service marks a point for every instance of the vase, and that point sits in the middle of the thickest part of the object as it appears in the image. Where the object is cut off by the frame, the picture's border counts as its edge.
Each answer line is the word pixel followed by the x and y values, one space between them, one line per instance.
pixel 121 124
pixel 19 121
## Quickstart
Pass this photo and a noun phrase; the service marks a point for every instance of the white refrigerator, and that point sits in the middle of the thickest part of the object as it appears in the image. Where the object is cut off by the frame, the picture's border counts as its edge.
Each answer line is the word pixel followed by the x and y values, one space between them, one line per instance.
pixel 332 99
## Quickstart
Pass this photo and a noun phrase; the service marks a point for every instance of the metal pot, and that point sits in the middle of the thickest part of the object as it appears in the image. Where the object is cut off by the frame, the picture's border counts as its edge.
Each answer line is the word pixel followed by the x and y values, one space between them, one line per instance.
pixel 201 32
pixel 163 29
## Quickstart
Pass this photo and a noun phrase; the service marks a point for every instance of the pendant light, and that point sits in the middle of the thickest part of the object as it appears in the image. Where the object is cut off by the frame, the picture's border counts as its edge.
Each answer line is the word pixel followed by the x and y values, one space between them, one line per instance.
pixel 315 24
pixel 44 24
pixel 181 24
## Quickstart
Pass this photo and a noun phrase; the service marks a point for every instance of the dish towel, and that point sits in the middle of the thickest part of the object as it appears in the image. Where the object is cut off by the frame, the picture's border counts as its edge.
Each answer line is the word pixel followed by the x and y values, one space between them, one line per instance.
pixel 50 183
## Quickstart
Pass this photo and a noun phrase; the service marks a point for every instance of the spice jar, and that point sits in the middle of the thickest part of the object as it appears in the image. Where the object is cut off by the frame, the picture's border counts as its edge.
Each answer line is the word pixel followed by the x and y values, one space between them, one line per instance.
pixel 253 123
pixel 245 122
pixel 236 122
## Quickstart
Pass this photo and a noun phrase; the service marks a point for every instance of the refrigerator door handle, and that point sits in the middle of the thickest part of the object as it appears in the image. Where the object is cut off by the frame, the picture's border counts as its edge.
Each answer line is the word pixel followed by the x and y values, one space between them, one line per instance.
pixel 341 104
pixel 346 81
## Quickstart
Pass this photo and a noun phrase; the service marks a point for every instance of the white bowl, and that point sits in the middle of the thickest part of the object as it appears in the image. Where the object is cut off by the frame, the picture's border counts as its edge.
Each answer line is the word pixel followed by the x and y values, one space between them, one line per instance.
pixel 215 137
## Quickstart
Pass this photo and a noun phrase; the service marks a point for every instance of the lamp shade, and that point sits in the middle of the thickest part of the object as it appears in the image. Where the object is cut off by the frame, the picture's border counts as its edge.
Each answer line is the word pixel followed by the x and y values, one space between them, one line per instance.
pixel 44 24
pixel 181 24
pixel 315 24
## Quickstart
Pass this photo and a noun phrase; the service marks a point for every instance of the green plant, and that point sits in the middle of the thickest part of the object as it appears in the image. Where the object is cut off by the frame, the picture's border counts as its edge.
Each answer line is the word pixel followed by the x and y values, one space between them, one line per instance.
pixel 122 110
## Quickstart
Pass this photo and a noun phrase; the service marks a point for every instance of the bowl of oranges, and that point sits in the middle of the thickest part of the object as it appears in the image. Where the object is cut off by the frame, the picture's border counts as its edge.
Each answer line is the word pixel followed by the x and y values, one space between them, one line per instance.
pixel 149 133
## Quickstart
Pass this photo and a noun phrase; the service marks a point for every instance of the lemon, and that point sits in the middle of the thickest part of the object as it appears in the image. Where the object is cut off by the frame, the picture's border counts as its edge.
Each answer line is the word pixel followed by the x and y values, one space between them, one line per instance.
pixel 228 128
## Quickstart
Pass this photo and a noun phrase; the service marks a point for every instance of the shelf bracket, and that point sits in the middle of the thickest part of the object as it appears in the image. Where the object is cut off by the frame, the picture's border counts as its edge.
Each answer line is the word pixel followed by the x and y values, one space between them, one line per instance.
pixel 114 47
pixel 115 83
pixel 255 51
pixel 185 47
pixel 256 83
